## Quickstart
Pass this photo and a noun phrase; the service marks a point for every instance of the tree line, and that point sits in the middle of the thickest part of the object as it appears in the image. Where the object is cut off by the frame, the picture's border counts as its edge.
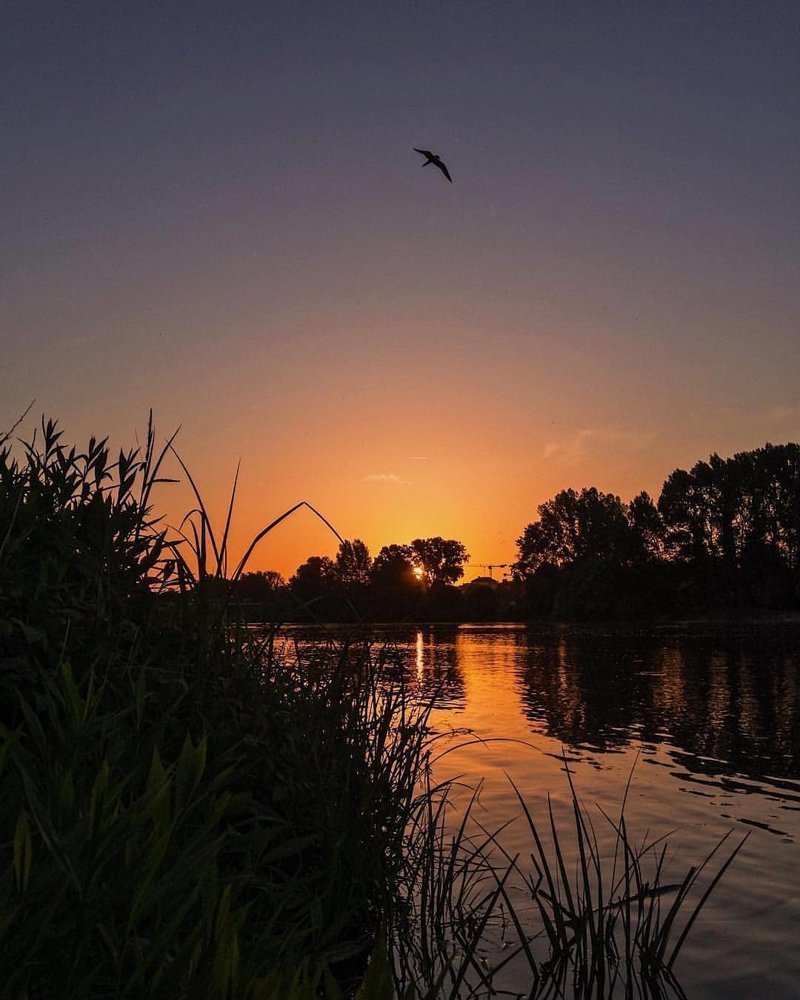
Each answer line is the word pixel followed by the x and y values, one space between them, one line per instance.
pixel 414 581
pixel 725 534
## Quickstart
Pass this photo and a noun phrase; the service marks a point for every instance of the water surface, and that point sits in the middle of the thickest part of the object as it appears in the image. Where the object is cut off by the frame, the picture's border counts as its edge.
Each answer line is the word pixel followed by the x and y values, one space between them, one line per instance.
pixel 706 715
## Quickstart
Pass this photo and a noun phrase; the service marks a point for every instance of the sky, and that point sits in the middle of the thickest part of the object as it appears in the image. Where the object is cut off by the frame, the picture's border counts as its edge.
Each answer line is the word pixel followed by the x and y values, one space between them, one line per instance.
pixel 215 211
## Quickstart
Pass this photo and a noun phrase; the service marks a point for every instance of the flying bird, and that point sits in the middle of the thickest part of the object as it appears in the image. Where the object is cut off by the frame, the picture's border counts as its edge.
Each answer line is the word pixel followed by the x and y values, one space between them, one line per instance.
pixel 434 159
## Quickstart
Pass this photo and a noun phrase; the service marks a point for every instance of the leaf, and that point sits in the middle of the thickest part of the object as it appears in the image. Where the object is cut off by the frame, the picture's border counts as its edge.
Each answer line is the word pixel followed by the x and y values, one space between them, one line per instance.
pixel 378 982
pixel 23 851
pixel 190 768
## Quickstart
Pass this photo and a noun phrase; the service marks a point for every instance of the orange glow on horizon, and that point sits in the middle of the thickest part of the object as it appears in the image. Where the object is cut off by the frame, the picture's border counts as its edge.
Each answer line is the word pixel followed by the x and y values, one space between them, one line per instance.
pixel 410 478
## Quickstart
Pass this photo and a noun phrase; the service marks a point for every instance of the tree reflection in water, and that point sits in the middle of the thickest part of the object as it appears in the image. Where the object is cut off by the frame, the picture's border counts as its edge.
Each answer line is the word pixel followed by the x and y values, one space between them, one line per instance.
pixel 727 700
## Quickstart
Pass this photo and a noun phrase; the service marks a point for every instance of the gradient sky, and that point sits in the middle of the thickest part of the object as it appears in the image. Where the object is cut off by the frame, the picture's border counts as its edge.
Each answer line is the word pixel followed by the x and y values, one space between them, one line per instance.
pixel 215 211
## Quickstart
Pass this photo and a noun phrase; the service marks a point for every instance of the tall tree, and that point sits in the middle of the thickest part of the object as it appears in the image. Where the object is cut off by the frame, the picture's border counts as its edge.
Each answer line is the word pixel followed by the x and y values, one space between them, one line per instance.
pixel 705 511
pixel 682 505
pixel 647 527
pixel 440 559
pixel 774 478
pixel 315 578
pixel 353 564
pixel 393 566
pixel 576 527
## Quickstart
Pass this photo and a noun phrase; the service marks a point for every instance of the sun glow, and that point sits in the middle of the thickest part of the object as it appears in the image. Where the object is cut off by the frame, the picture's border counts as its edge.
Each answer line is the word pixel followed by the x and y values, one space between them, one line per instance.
pixel 418 572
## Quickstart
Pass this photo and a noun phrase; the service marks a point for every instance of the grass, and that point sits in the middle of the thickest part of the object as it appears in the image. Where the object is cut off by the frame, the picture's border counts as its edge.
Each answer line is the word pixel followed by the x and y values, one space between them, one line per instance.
pixel 613 928
pixel 188 813
pixel 574 920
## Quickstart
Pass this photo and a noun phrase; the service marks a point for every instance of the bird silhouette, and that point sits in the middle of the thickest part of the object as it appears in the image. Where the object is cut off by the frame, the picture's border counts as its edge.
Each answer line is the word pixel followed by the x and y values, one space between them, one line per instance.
pixel 434 159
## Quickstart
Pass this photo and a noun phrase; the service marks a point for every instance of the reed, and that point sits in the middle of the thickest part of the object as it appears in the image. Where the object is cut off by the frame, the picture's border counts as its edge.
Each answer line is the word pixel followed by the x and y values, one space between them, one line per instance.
pixel 582 921
pixel 248 846
pixel 185 812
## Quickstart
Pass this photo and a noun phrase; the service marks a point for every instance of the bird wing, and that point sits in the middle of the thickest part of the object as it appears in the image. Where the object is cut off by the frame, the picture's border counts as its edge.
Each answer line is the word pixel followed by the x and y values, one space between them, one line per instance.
pixel 425 152
pixel 443 169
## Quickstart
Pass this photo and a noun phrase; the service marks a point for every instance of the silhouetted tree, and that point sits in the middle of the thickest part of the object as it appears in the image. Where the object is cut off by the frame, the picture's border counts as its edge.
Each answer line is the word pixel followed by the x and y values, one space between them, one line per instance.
pixel 702 511
pixel 574 527
pixel 393 566
pixel 682 506
pixel 735 524
pixel 314 579
pixel 724 534
pixel 353 564
pixel 443 603
pixel 481 603
pixel 647 527
pixel 772 474
pixel 264 588
pixel 395 590
pixel 441 559
pixel 260 584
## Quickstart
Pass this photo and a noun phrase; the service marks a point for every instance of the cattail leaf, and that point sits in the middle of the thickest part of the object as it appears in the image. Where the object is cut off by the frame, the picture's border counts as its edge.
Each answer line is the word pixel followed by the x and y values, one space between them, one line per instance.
pixel 189 771
pixel 23 852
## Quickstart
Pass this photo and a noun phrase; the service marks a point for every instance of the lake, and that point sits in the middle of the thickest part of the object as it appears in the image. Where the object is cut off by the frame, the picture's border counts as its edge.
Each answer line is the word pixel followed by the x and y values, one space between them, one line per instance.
pixel 706 715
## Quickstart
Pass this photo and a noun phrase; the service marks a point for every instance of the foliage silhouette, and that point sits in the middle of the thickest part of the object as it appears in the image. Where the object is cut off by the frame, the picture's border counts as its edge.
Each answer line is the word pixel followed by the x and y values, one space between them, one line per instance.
pixel 725 534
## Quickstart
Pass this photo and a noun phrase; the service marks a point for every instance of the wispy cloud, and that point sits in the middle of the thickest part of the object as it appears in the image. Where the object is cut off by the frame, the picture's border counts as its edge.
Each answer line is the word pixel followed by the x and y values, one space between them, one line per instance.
pixel 386 477
pixel 785 413
pixel 571 450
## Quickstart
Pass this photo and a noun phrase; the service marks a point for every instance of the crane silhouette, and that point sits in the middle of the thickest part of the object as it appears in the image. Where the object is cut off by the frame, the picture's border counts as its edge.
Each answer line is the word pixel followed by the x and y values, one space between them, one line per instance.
pixel 491 567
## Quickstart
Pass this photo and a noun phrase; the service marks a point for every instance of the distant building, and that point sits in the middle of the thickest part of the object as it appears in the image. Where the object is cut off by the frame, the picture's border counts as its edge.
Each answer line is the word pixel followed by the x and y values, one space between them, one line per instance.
pixel 482 581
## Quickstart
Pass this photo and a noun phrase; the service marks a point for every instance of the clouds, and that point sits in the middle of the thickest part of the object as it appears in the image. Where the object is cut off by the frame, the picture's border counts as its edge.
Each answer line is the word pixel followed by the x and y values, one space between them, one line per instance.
pixel 591 441
pixel 785 413
pixel 386 477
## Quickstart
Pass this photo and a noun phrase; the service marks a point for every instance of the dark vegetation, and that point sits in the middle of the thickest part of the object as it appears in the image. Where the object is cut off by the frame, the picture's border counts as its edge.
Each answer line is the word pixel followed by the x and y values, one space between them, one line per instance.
pixel 724 536
pixel 188 814
pixel 183 814
pixel 414 582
